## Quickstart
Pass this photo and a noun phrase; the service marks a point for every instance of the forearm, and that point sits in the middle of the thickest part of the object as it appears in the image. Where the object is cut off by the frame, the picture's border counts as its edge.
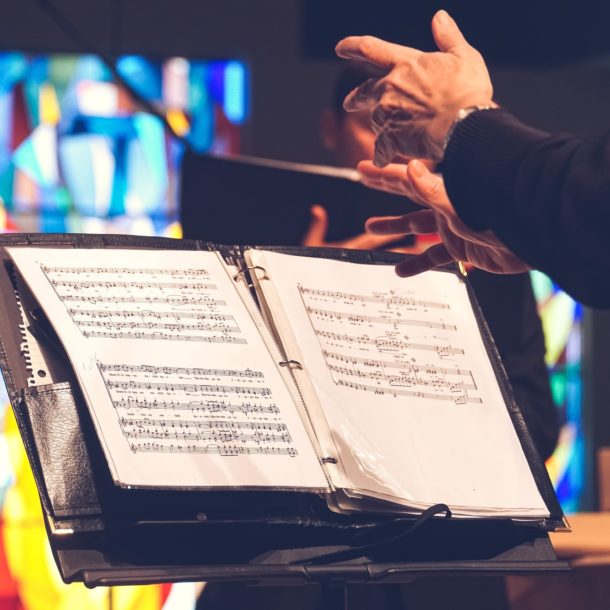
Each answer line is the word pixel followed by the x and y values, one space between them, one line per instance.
pixel 547 197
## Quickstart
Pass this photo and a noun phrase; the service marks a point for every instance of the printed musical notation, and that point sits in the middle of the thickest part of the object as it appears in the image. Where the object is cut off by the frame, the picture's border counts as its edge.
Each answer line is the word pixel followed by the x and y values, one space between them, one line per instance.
pixel 365 347
pixel 180 378
pixel 206 432
pixel 223 451
pixel 387 299
pixel 203 300
pixel 171 386
pixel 200 407
pixel 178 370
pixel 131 285
pixel 175 410
pixel 360 319
pixel 146 303
pixel 388 344
pixel 137 271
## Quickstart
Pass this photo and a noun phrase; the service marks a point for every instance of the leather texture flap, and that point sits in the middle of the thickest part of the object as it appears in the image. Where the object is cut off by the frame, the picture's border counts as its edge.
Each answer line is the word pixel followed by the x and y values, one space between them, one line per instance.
pixel 62 452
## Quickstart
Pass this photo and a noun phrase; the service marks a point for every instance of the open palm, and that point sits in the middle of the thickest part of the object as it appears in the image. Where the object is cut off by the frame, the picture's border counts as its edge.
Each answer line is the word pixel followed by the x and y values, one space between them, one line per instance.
pixel 481 249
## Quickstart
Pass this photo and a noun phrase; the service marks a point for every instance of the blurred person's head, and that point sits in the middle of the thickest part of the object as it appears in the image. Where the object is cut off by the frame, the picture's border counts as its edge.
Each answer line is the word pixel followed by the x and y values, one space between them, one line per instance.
pixel 347 136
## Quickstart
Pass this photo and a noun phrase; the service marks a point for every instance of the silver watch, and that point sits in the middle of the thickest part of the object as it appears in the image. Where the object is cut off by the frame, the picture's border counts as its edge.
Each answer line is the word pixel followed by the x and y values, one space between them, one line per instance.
pixel 460 116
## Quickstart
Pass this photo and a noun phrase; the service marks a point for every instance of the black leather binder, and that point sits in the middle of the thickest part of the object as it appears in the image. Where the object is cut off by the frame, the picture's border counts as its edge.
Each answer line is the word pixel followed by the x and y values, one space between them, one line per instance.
pixel 105 535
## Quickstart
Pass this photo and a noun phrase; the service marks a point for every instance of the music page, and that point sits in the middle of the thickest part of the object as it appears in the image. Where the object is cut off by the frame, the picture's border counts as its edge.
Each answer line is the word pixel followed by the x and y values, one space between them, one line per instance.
pixel 182 389
pixel 405 383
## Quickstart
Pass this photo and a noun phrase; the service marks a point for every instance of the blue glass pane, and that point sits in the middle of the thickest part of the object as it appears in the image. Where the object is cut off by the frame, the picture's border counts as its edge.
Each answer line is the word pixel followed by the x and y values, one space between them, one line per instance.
pixel 13 67
pixel 142 75
pixel 86 147
pixel 235 98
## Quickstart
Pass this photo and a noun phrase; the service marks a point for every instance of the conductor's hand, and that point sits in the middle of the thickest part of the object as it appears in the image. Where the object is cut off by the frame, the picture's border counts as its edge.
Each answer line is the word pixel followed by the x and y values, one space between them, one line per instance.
pixel 318 228
pixel 416 101
pixel 392 179
pixel 459 243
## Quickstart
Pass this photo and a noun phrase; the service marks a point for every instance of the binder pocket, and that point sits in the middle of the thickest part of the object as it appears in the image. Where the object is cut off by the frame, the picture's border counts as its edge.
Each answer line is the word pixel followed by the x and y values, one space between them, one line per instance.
pixel 78 494
pixel 57 451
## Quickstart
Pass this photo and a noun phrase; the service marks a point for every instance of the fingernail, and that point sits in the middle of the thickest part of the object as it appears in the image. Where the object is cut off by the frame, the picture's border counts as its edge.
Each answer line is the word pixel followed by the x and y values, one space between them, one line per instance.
pixel 417 168
pixel 400 270
pixel 443 17
pixel 338 45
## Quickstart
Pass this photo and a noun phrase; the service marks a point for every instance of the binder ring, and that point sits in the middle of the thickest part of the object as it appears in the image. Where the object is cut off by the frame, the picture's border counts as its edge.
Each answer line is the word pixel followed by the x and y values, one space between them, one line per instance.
pixel 328 460
pixel 241 272
pixel 291 364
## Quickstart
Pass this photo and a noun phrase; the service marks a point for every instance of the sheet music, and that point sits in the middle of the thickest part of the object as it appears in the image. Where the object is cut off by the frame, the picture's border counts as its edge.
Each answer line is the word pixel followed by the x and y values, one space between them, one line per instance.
pixel 391 363
pixel 182 389
pixel 404 381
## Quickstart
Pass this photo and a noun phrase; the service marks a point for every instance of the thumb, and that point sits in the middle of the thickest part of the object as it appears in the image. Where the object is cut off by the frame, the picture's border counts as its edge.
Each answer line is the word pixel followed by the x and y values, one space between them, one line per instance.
pixel 447 35
pixel 316 233
pixel 427 185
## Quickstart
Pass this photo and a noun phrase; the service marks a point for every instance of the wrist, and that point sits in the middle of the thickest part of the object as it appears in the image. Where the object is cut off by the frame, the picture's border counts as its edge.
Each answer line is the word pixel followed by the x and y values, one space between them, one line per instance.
pixel 461 115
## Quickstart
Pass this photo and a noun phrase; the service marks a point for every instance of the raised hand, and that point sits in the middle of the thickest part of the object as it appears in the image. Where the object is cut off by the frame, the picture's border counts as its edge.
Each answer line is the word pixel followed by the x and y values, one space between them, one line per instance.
pixel 415 103
pixel 318 228
pixel 482 249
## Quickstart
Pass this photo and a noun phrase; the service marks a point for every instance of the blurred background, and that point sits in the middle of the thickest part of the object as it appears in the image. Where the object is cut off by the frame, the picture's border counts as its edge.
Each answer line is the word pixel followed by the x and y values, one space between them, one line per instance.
pixel 98 101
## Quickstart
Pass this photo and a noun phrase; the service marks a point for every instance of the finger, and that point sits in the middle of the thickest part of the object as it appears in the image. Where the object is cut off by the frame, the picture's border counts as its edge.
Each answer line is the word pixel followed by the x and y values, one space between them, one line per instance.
pixel 372 50
pixel 390 187
pixel 391 178
pixel 368 241
pixel 369 169
pixel 383 185
pixel 414 223
pixel 428 186
pixel 447 35
pixel 385 151
pixel 379 116
pixel 318 227
pixel 364 96
pixel 433 257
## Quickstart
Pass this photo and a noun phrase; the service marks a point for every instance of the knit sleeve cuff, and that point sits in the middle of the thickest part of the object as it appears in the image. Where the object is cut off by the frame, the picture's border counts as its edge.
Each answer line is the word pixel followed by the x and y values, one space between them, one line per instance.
pixel 481 164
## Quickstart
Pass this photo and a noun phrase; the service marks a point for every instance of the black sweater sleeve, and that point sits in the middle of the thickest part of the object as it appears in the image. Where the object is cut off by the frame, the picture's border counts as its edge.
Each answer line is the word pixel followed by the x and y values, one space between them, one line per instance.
pixel 547 197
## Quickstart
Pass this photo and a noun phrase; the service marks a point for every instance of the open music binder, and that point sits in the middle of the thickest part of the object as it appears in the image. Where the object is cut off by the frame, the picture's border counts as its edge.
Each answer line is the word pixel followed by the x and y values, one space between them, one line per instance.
pixel 203 412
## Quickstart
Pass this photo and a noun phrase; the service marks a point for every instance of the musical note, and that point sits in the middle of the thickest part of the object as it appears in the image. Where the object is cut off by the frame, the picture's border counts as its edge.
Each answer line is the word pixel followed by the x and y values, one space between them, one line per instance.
pixel 165 404
pixel 196 407
pixel 95 315
pixel 172 370
pixel 170 359
pixel 386 343
pixel 385 361
pixel 383 299
pixel 427 368
pixel 156 326
pixel 150 300
pixel 363 319
pixel 211 430
pixel 163 337
pixel 187 387
pixel 131 285
pixel 123 271
pixel 224 451
pixel 395 392
pixel 105 302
